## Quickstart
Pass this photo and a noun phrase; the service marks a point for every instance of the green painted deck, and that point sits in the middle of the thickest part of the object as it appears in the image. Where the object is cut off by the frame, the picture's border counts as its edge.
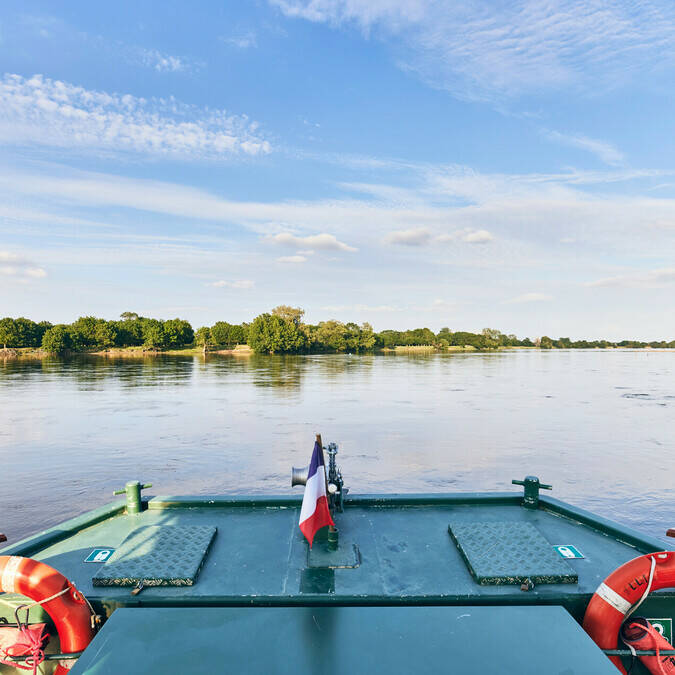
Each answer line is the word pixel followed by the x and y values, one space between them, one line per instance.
pixel 332 640
pixel 406 554
pixel 396 553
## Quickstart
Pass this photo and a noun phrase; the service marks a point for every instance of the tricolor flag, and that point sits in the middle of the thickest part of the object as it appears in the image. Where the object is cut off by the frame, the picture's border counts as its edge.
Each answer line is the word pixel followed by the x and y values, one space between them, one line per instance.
pixel 315 513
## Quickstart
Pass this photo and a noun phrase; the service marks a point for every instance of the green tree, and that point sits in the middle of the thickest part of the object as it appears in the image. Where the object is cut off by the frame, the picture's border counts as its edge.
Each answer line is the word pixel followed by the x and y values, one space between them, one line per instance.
pixel 8 333
pixel 83 332
pixel 177 333
pixel 464 339
pixel 105 334
pixel 27 332
pixel 274 335
pixel 203 338
pixel 41 329
pixel 129 316
pixel 389 338
pixel 366 337
pixel 287 313
pixel 331 336
pixel 444 334
pixel 56 339
pixel 130 332
pixel 153 334
pixel 546 342
pixel 228 335
pixel 491 338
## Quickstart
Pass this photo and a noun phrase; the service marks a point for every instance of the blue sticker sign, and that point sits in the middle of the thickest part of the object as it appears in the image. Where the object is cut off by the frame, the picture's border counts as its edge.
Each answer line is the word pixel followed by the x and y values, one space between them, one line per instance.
pixel 99 555
pixel 568 551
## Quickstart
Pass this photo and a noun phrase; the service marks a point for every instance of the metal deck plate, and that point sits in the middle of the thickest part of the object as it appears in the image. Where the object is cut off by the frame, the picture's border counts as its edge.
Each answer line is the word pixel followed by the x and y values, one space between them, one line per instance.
pixel 345 556
pixel 158 556
pixel 331 640
pixel 509 553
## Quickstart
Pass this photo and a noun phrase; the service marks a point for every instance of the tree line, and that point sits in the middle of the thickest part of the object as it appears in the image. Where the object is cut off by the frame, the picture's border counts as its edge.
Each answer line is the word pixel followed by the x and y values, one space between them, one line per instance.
pixel 280 331
pixel 90 332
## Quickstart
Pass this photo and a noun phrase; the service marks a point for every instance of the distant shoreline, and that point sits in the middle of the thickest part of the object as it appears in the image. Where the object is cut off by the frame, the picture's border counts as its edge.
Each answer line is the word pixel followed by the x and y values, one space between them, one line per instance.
pixel 245 350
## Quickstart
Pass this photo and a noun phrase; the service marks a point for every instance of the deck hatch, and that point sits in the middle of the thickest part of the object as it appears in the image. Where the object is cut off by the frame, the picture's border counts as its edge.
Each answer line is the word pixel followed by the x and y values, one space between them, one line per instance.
pixel 503 553
pixel 158 556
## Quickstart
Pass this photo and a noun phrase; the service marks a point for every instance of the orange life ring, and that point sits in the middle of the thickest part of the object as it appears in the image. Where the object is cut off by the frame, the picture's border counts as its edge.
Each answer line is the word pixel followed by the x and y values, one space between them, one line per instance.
pixel 620 591
pixel 69 612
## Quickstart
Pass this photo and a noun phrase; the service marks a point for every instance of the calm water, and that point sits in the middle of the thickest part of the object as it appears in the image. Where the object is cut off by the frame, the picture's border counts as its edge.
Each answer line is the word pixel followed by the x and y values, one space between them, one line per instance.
pixel 599 425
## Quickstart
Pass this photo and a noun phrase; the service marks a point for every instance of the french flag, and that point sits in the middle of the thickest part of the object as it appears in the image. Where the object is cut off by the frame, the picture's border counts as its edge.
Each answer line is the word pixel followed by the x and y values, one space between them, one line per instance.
pixel 315 513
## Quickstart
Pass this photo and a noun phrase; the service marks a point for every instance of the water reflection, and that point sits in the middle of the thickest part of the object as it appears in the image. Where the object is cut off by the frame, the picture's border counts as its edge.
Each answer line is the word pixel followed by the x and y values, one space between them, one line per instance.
pixel 92 370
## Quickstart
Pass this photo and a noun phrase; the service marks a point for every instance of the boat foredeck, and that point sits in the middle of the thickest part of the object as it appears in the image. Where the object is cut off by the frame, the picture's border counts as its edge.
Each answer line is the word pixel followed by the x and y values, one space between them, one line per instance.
pixel 406 555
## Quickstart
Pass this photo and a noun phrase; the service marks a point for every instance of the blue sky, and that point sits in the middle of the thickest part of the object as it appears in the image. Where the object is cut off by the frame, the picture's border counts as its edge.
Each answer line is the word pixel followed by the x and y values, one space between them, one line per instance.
pixel 406 162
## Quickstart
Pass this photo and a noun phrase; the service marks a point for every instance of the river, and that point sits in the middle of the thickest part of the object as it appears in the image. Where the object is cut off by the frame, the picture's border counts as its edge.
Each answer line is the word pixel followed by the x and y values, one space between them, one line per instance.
pixel 599 425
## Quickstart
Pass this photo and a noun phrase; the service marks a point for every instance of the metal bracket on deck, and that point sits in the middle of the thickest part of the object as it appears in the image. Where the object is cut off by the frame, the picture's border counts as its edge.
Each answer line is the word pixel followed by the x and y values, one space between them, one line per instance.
pixel 532 487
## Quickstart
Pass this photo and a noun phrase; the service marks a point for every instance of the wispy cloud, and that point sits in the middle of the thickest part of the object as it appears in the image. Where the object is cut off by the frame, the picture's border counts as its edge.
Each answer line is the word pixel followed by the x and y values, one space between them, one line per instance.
pixel 43 112
pixel 533 211
pixel 422 236
pixel 416 236
pixel 294 259
pixel 483 50
pixel 13 265
pixel 56 30
pixel 246 40
pixel 467 235
pixel 241 284
pixel 605 152
pixel 162 63
pixel 658 278
pixel 325 242
pixel 529 297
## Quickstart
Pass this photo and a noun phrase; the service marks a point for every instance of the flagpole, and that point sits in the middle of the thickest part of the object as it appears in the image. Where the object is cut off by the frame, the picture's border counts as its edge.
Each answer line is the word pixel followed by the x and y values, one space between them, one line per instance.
pixel 323 458
pixel 331 528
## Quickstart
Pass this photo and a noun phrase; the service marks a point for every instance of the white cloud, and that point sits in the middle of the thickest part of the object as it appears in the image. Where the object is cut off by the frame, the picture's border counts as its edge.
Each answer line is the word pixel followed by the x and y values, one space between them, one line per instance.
pixel 242 284
pixel 527 215
pixel 12 265
pixel 43 112
pixel 606 152
pixel 658 278
pixel 325 242
pixel 477 237
pixel 529 297
pixel 292 259
pixel 421 236
pixel 468 236
pixel 484 49
pixel 163 63
pixel 416 236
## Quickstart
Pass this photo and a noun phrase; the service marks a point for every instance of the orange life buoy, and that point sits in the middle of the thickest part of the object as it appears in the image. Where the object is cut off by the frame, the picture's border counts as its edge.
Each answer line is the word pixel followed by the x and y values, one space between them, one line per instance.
pixel 69 612
pixel 620 591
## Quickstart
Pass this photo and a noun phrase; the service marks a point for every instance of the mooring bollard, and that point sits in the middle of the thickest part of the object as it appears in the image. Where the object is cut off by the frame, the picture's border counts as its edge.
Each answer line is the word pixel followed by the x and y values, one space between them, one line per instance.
pixel 133 492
